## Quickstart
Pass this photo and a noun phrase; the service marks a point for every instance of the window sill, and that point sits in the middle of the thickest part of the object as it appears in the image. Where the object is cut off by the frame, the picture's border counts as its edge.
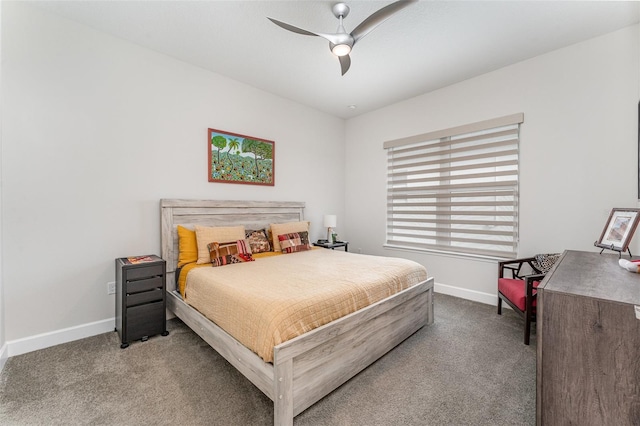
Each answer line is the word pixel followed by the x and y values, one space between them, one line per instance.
pixel 473 257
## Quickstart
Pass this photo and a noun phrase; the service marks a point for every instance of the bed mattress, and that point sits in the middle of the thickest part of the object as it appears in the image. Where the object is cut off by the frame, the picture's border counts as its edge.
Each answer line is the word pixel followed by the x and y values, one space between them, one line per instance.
pixel 274 299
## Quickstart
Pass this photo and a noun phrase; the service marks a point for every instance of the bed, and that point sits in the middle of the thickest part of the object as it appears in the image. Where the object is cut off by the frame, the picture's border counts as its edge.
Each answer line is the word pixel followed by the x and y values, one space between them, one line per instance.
pixel 308 367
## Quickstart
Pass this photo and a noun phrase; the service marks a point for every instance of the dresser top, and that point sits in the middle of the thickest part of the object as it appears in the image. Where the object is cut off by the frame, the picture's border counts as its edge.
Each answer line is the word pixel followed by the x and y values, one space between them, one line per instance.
pixel 593 275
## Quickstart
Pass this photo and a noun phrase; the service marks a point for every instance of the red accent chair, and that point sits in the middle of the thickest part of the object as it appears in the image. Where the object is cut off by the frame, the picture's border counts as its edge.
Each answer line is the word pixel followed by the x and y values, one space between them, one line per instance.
pixel 519 291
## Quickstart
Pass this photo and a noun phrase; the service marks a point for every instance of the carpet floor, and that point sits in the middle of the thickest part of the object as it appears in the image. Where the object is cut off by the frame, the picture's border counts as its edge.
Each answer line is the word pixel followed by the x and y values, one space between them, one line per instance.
pixel 469 368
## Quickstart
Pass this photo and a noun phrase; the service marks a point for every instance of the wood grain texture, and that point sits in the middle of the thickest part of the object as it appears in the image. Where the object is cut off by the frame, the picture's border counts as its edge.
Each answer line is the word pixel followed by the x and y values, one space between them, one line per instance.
pixel 323 368
pixel 283 384
pixel 588 347
pixel 306 368
pixel 593 275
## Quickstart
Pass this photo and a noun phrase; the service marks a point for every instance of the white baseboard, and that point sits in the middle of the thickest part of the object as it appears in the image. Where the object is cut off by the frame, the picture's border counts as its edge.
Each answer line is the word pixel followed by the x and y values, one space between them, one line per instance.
pixel 45 340
pixel 464 293
pixel 4 355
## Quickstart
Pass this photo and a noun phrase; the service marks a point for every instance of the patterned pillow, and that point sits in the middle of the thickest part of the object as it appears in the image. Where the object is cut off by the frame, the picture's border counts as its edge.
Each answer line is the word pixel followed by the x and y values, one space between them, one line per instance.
pixel 296 241
pixel 227 253
pixel 544 262
pixel 278 229
pixel 258 241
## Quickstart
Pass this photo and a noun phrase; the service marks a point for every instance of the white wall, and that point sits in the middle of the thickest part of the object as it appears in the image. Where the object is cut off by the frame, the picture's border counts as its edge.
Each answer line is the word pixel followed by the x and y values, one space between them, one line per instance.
pixel 578 152
pixel 95 132
pixel 3 346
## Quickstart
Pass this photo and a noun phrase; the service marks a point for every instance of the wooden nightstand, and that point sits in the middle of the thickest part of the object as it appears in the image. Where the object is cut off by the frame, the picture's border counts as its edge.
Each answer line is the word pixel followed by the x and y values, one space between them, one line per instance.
pixel 140 299
pixel 332 246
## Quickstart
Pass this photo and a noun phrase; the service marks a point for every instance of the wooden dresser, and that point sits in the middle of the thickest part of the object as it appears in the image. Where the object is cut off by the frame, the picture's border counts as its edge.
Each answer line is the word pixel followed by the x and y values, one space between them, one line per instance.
pixel 588 337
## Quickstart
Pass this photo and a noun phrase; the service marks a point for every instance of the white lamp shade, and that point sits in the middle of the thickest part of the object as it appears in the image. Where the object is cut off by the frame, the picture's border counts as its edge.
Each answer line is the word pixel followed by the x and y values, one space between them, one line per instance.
pixel 330 220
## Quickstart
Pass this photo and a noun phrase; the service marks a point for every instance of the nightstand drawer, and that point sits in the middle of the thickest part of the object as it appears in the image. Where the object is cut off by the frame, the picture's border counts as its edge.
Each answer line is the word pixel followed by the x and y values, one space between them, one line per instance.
pixel 144 285
pixel 145 272
pixel 145 320
pixel 154 295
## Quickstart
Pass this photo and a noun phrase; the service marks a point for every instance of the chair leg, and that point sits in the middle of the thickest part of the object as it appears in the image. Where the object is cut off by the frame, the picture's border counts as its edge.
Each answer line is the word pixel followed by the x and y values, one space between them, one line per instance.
pixel 499 305
pixel 527 329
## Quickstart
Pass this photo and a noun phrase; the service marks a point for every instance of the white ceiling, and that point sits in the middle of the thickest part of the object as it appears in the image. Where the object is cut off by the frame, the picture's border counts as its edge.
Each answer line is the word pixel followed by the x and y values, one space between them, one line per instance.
pixel 426 46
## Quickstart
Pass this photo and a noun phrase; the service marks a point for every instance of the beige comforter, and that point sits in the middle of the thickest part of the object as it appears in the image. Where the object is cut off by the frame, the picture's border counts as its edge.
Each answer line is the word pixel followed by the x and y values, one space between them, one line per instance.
pixel 271 300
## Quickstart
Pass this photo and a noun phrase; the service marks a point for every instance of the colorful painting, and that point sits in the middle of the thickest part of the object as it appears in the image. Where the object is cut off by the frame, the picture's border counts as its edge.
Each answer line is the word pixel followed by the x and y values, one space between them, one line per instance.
pixel 235 158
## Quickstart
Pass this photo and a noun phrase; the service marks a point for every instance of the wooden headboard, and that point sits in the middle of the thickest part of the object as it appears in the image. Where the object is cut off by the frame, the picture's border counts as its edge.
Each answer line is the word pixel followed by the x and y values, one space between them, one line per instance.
pixel 188 213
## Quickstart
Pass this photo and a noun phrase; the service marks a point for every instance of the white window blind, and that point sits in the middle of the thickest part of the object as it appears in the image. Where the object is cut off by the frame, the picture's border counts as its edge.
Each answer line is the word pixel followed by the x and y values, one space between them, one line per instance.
pixel 456 190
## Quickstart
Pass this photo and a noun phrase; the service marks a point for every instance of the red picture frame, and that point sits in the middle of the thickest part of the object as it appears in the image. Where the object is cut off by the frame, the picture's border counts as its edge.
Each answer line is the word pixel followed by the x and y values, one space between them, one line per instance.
pixel 237 158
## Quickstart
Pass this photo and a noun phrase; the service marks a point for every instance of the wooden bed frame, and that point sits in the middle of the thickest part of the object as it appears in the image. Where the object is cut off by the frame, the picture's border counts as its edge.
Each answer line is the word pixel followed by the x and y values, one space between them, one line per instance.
pixel 310 366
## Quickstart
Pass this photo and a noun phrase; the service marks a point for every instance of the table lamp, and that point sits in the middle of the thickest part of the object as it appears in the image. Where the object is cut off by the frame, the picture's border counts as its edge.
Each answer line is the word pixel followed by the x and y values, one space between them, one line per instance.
pixel 330 221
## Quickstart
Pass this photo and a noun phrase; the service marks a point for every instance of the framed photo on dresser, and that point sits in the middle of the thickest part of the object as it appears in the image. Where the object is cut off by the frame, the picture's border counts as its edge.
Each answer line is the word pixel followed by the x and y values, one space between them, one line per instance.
pixel 619 229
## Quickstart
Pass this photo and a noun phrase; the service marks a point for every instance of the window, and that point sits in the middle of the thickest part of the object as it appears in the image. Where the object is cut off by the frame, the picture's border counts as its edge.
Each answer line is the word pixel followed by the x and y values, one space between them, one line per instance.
pixel 456 190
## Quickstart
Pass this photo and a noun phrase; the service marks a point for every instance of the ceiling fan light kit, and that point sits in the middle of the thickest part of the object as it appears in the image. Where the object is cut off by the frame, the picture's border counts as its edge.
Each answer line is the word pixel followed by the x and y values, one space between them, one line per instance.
pixel 341 43
pixel 341 49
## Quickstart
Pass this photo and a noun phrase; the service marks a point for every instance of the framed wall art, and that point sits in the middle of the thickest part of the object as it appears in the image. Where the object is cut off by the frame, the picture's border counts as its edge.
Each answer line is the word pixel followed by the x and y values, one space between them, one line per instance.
pixel 619 229
pixel 235 158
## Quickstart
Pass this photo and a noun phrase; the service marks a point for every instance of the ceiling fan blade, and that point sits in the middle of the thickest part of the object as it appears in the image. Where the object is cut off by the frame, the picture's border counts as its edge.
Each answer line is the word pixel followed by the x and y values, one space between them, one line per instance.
pixel 377 18
pixel 345 63
pixel 333 38
pixel 292 28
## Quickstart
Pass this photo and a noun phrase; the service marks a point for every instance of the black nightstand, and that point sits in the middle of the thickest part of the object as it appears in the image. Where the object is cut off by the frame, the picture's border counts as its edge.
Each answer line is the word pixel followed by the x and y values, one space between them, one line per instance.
pixel 140 299
pixel 332 246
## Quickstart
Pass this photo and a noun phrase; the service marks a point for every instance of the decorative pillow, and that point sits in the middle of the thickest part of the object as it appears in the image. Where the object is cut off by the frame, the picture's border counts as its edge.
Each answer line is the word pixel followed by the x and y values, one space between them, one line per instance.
pixel 286 228
pixel 544 262
pixel 228 253
pixel 187 246
pixel 295 241
pixel 206 235
pixel 258 241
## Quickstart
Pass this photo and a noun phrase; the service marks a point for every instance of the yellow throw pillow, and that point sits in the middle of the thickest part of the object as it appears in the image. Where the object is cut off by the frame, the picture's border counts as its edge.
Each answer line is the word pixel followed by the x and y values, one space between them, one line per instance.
pixel 286 228
pixel 187 246
pixel 206 235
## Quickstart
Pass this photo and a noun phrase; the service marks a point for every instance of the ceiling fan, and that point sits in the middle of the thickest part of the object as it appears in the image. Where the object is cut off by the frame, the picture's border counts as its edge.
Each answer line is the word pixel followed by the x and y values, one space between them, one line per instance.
pixel 342 42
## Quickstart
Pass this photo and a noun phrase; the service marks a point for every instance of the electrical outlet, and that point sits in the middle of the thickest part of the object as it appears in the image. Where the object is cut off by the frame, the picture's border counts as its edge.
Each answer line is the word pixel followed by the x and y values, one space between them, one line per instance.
pixel 111 287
